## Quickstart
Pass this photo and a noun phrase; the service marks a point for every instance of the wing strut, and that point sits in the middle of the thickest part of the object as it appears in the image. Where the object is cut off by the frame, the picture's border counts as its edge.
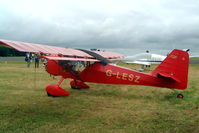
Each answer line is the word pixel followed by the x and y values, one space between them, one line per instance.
pixel 103 60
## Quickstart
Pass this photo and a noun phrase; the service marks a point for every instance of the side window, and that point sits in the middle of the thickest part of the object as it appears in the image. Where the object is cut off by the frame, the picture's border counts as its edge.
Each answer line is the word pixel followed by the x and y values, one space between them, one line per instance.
pixel 75 66
pixel 79 66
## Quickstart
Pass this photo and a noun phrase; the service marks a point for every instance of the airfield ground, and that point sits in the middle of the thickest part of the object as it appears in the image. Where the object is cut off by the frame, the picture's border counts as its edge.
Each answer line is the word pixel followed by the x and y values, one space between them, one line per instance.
pixel 24 106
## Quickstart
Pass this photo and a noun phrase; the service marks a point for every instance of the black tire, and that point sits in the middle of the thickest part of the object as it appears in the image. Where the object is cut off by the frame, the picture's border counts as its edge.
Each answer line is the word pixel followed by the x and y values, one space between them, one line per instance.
pixel 180 96
pixel 75 87
pixel 49 95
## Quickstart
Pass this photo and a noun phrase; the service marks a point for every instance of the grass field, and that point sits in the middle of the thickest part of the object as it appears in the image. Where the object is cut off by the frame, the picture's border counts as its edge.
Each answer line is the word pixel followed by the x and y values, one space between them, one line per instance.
pixel 24 106
pixel 194 58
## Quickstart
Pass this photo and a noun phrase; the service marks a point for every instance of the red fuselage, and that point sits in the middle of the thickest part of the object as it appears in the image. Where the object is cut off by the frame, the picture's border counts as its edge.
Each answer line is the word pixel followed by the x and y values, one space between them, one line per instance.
pixel 111 74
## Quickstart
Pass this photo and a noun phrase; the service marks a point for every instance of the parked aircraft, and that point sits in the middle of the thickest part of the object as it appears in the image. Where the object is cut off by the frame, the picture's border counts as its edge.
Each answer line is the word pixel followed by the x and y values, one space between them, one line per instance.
pixel 95 66
pixel 145 59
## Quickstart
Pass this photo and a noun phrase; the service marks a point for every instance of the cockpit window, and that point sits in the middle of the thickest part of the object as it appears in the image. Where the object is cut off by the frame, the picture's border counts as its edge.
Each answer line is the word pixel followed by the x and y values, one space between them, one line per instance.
pixel 79 66
pixel 74 66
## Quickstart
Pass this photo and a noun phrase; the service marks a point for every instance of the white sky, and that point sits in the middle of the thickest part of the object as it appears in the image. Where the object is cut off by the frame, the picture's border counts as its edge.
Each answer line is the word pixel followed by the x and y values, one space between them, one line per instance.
pixel 157 25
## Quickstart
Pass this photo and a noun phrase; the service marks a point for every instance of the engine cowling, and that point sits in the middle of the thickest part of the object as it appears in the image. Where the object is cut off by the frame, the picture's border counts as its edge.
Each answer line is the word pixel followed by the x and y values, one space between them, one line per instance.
pixel 53 67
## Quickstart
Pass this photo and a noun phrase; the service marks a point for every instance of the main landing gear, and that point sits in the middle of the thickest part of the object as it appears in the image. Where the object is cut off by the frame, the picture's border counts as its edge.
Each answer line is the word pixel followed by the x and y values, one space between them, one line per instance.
pixel 54 90
pixel 78 84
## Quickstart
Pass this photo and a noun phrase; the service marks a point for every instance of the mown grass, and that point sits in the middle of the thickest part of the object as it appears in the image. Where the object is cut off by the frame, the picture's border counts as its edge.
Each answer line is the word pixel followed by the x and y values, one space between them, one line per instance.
pixel 194 58
pixel 24 106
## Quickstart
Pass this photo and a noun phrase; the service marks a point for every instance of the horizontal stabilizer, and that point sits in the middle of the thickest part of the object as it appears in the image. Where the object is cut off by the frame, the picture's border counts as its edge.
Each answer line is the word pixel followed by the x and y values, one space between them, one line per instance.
pixel 168 75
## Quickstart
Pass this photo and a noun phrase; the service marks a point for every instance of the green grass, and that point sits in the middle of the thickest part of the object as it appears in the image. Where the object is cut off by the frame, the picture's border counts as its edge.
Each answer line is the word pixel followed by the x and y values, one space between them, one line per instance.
pixel 25 108
pixel 194 58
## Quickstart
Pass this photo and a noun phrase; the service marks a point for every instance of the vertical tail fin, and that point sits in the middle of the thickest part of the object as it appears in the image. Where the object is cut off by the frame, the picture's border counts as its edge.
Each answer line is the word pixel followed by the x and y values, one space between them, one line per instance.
pixel 174 67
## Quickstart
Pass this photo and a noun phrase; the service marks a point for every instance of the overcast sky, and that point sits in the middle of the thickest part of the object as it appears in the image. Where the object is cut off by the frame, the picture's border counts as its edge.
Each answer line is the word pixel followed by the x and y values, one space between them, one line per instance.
pixel 157 25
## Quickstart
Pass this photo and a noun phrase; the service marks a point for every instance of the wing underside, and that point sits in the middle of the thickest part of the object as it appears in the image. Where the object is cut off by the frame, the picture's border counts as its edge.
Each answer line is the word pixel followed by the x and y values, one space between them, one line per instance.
pixel 70 59
pixel 66 53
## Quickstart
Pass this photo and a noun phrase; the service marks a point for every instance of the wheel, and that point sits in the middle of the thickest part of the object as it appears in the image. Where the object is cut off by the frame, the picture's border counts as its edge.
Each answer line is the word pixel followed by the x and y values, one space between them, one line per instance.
pixel 49 95
pixel 54 90
pixel 180 96
pixel 75 87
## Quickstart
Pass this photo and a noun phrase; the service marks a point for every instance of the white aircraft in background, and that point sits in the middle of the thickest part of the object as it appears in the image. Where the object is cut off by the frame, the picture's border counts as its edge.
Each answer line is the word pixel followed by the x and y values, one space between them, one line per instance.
pixel 145 59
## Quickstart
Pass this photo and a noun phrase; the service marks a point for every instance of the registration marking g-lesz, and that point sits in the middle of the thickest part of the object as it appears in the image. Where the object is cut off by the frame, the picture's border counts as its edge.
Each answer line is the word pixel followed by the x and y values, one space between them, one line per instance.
pixel 123 76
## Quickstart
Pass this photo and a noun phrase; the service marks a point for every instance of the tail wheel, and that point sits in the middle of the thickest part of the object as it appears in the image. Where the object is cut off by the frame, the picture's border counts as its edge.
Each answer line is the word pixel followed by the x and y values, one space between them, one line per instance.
pixel 180 96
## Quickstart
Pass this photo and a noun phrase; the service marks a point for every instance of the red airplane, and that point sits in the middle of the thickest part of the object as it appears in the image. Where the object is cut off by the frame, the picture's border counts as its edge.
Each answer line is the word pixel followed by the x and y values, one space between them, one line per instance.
pixel 95 66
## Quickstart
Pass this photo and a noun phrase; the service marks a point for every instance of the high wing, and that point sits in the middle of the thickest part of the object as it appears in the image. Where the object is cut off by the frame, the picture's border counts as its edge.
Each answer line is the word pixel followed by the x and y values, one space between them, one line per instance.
pixel 60 53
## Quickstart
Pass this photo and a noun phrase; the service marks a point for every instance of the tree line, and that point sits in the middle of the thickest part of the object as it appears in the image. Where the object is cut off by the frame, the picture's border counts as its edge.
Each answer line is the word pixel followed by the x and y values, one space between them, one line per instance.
pixel 5 51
